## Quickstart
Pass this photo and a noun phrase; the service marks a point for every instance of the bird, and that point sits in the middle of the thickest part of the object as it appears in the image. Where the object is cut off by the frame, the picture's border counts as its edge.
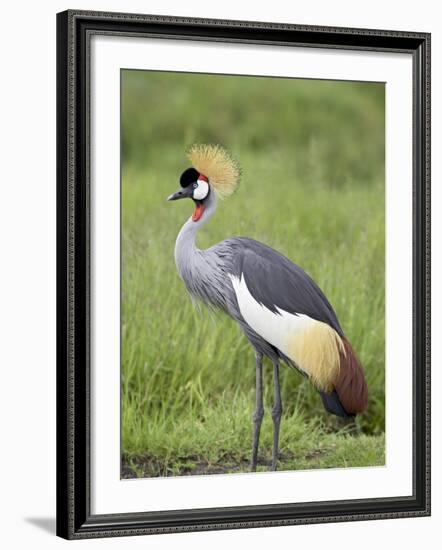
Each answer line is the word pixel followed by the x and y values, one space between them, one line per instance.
pixel 283 313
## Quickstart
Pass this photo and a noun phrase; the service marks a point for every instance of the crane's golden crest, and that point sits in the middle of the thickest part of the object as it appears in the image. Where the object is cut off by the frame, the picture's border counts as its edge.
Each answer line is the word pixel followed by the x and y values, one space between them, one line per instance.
pixel 214 162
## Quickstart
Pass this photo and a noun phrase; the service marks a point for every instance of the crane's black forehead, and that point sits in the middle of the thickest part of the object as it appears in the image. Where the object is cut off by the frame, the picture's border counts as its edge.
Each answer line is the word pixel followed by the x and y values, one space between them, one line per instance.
pixel 188 176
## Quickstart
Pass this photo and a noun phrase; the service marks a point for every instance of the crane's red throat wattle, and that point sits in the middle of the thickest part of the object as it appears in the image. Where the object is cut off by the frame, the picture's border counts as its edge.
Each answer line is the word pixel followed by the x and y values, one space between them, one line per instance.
pixel 198 212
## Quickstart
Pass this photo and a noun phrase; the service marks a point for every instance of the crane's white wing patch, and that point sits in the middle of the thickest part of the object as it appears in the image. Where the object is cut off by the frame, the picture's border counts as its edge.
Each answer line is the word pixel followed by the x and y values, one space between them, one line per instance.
pixel 277 329
pixel 314 346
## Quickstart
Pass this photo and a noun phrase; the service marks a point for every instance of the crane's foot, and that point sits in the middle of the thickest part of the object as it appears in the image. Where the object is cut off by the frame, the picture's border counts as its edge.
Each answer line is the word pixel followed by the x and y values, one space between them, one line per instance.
pixel 276 417
pixel 253 462
pixel 258 413
pixel 257 421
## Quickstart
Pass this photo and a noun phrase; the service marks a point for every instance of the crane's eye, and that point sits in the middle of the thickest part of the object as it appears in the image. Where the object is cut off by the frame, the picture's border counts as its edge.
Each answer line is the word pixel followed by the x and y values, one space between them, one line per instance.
pixel 195 185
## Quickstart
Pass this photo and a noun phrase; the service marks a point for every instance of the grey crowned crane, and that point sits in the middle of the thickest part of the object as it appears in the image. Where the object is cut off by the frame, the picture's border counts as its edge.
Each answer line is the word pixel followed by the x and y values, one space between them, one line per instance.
pixel 282 311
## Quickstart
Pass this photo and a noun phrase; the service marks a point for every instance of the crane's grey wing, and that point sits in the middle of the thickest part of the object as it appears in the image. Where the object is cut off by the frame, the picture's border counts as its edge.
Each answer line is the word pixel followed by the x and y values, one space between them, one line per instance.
pixel 276 282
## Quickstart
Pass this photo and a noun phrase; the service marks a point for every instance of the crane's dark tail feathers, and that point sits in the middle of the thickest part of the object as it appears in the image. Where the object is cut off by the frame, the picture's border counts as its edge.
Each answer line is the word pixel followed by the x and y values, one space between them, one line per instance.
pixel 333 405
pixel 350 395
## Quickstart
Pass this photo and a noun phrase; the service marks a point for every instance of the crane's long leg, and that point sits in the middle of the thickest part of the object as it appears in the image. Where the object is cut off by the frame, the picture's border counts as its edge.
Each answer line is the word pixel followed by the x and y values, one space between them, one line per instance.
pixel 259 411
pixel 276 415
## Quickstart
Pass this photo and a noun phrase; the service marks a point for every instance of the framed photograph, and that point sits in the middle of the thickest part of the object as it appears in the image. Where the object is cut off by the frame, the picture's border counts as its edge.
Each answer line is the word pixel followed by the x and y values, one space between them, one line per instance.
pixel 259 353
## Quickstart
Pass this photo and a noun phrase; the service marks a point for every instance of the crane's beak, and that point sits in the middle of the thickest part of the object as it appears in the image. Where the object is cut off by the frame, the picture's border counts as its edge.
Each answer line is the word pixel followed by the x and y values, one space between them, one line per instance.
pixel 185 193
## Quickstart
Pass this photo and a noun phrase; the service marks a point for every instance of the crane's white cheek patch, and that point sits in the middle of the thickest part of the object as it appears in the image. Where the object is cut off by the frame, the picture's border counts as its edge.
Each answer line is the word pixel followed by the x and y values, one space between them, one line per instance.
pixel 312 345
pixel 201 191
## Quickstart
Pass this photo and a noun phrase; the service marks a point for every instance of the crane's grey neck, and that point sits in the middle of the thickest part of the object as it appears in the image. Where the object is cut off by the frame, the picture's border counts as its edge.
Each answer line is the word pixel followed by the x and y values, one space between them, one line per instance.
pixel 185 247
pixel 205 272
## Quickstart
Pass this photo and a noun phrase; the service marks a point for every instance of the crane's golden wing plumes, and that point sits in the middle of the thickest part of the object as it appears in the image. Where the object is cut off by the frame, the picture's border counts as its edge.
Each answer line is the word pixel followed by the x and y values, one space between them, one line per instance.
pixel 214 162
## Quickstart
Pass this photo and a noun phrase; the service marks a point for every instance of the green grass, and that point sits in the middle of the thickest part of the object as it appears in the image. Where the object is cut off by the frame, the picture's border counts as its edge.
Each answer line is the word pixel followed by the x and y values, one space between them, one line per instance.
pixel 312 155
pixel 217 440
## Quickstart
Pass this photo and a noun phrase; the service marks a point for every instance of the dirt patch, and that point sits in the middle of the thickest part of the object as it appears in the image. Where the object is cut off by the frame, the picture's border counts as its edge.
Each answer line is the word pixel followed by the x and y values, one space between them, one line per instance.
pixel 152 466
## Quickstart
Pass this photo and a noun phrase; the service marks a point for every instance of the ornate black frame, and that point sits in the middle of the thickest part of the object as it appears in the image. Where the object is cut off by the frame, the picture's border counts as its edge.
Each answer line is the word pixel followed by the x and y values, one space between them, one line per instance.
pixel 74 29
